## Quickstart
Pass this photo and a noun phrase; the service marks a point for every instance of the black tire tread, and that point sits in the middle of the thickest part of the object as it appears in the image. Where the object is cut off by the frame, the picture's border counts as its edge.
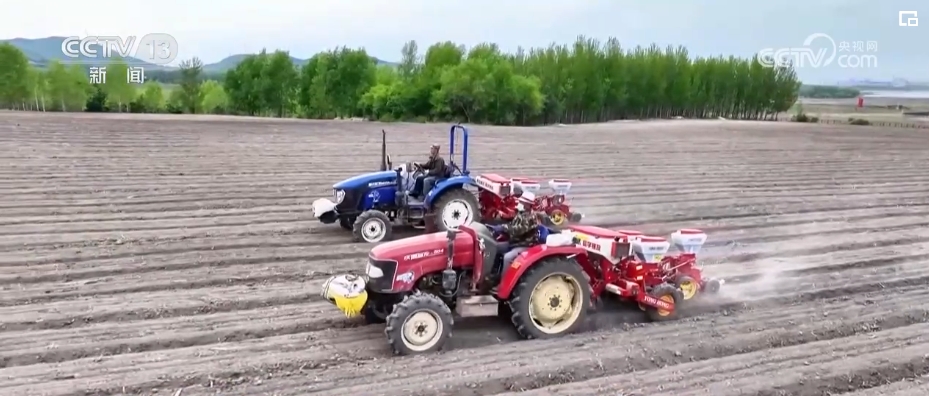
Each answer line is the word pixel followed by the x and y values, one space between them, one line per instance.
pixel 662 290
pixel 414 301
pixel 368 215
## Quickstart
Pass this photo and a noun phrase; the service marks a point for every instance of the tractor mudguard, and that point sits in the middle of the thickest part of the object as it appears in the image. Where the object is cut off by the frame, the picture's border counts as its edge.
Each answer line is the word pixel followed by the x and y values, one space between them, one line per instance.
pixel 526 260
pixel 447 184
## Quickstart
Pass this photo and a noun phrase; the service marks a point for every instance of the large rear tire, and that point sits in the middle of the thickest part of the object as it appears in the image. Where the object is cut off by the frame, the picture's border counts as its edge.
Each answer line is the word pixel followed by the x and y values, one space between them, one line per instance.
pixel 421 323
pixel 551 299
pixel 454 208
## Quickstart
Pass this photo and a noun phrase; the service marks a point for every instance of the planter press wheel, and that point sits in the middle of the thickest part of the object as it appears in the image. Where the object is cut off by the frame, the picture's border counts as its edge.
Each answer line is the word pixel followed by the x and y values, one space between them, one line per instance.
pixel 689 287
pixel 666 293
pixel 558 217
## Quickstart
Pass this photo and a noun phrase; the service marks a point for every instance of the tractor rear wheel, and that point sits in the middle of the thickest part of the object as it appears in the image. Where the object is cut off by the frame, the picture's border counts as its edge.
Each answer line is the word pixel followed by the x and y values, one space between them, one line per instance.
pixel 551 299
pixel 421 323
pixel 455 208
pixel 668 293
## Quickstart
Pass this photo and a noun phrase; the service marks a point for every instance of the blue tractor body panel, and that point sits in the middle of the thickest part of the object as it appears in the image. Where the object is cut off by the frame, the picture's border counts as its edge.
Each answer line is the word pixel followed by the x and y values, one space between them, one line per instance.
pixel 380 197
pixel 382 178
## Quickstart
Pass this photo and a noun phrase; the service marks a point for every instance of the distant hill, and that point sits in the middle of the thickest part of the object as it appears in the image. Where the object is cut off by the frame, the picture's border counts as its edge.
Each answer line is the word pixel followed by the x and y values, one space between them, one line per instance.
pixel 231 61
pixel 41 51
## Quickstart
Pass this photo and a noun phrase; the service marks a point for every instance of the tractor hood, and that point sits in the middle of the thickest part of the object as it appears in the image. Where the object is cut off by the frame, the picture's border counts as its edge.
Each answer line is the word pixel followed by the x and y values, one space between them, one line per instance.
pixel 382 178
pixel 423 246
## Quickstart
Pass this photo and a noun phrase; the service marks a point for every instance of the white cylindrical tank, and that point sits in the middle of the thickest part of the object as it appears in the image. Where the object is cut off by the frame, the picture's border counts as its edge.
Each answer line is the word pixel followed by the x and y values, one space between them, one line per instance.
pixel 688 240
pixel 650 249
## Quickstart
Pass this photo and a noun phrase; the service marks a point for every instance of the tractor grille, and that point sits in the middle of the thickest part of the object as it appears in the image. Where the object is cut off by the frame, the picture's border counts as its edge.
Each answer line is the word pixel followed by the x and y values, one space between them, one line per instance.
pixel 385 283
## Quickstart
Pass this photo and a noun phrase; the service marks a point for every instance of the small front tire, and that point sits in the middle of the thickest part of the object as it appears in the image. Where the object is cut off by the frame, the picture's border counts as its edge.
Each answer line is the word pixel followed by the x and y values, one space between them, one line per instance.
pixel 421 323
pixel 375 312
pixel 347 223
pixel 372 226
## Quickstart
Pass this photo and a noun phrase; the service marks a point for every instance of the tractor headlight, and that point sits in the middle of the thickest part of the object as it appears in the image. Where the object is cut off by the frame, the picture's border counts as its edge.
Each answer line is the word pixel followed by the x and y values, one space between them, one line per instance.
pixel 373 272
pixel 339 195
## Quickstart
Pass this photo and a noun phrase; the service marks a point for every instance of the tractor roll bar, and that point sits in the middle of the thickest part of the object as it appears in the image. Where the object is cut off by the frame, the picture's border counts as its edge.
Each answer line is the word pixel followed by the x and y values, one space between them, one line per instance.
pixel 464 149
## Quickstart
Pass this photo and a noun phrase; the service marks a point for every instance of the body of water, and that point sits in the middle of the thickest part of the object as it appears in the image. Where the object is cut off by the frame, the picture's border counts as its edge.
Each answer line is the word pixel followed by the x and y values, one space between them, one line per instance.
pixel 895 94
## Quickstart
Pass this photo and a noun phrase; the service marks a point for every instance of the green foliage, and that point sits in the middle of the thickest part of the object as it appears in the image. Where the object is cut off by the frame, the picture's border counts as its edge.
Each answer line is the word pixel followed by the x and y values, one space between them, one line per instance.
pixel 828 92
pixel 14 77
pixel 215 100
pixel 152 98
pixel 119 91
pixel 190 96
pixel 587 81
pixel 801 116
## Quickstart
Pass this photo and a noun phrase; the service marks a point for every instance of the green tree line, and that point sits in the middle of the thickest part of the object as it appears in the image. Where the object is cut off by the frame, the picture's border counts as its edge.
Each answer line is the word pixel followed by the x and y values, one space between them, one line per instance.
pixel 587 81
pixel 828 92
pixel 61 87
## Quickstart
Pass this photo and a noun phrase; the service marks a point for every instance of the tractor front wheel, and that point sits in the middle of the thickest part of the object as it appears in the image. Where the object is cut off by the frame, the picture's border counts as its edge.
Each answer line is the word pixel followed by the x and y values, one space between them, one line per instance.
pixel 668 293
pixel 377 308
pixel 551 299
pixel 421 323
pixel 347 223
pixel 372 226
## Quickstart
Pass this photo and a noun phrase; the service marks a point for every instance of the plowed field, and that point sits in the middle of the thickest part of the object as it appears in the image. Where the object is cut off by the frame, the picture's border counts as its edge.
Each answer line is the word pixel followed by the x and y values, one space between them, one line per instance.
pixel 178 256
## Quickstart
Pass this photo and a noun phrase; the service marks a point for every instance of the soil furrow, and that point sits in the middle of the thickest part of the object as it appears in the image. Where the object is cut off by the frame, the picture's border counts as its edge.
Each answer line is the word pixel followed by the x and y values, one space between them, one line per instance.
pixel 516 366
pixel 822 367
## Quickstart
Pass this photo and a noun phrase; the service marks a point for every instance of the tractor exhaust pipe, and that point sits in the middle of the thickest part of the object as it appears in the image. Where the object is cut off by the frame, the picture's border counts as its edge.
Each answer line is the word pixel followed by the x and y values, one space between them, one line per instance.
pixel 449 276
pixel 384 165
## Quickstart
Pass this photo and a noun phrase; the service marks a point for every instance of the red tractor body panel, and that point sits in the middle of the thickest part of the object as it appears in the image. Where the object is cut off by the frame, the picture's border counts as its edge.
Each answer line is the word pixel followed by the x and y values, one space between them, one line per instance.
pixel 526 259
pixel 423 254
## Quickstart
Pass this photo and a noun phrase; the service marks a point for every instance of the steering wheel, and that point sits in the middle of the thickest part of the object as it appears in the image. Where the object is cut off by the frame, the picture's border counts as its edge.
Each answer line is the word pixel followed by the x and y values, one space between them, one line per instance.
pixel 417 170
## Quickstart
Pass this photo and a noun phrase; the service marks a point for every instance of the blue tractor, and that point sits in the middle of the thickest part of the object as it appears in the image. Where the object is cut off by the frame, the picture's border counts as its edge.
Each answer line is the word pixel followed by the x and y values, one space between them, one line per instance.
pixel 369 205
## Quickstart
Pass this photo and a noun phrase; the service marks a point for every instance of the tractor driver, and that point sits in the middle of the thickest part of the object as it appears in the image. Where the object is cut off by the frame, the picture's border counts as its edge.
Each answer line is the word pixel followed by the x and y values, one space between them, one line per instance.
pixel 434 168
pixel 523 230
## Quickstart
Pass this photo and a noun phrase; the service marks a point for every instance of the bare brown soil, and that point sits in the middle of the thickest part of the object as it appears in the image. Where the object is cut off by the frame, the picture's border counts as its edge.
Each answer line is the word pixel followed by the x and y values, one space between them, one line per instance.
pixel 178 256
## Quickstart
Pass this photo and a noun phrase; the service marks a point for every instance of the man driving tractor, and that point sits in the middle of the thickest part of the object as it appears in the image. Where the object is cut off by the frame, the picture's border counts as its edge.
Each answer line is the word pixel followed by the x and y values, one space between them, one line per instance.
pixel 433 169
pixel 523 230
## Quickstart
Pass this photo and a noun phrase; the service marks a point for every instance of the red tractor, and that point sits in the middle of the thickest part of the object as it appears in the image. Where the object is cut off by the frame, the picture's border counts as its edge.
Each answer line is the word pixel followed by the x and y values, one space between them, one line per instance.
pixel 414 284
pixel 498 195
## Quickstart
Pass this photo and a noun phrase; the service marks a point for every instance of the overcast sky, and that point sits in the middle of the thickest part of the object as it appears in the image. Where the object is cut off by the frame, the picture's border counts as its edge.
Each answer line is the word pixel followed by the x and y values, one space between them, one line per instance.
pixel 214 30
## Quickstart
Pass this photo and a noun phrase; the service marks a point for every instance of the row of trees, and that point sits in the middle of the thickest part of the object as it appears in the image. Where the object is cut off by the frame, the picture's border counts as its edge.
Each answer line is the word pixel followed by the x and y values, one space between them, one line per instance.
pixel 588 81
pixel 68 88
pixel 828 92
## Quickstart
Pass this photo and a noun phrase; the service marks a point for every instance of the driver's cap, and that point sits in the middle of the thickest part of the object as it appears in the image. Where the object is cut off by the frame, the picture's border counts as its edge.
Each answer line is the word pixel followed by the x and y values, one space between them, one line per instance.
pixel 434 146
pixel 527 198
